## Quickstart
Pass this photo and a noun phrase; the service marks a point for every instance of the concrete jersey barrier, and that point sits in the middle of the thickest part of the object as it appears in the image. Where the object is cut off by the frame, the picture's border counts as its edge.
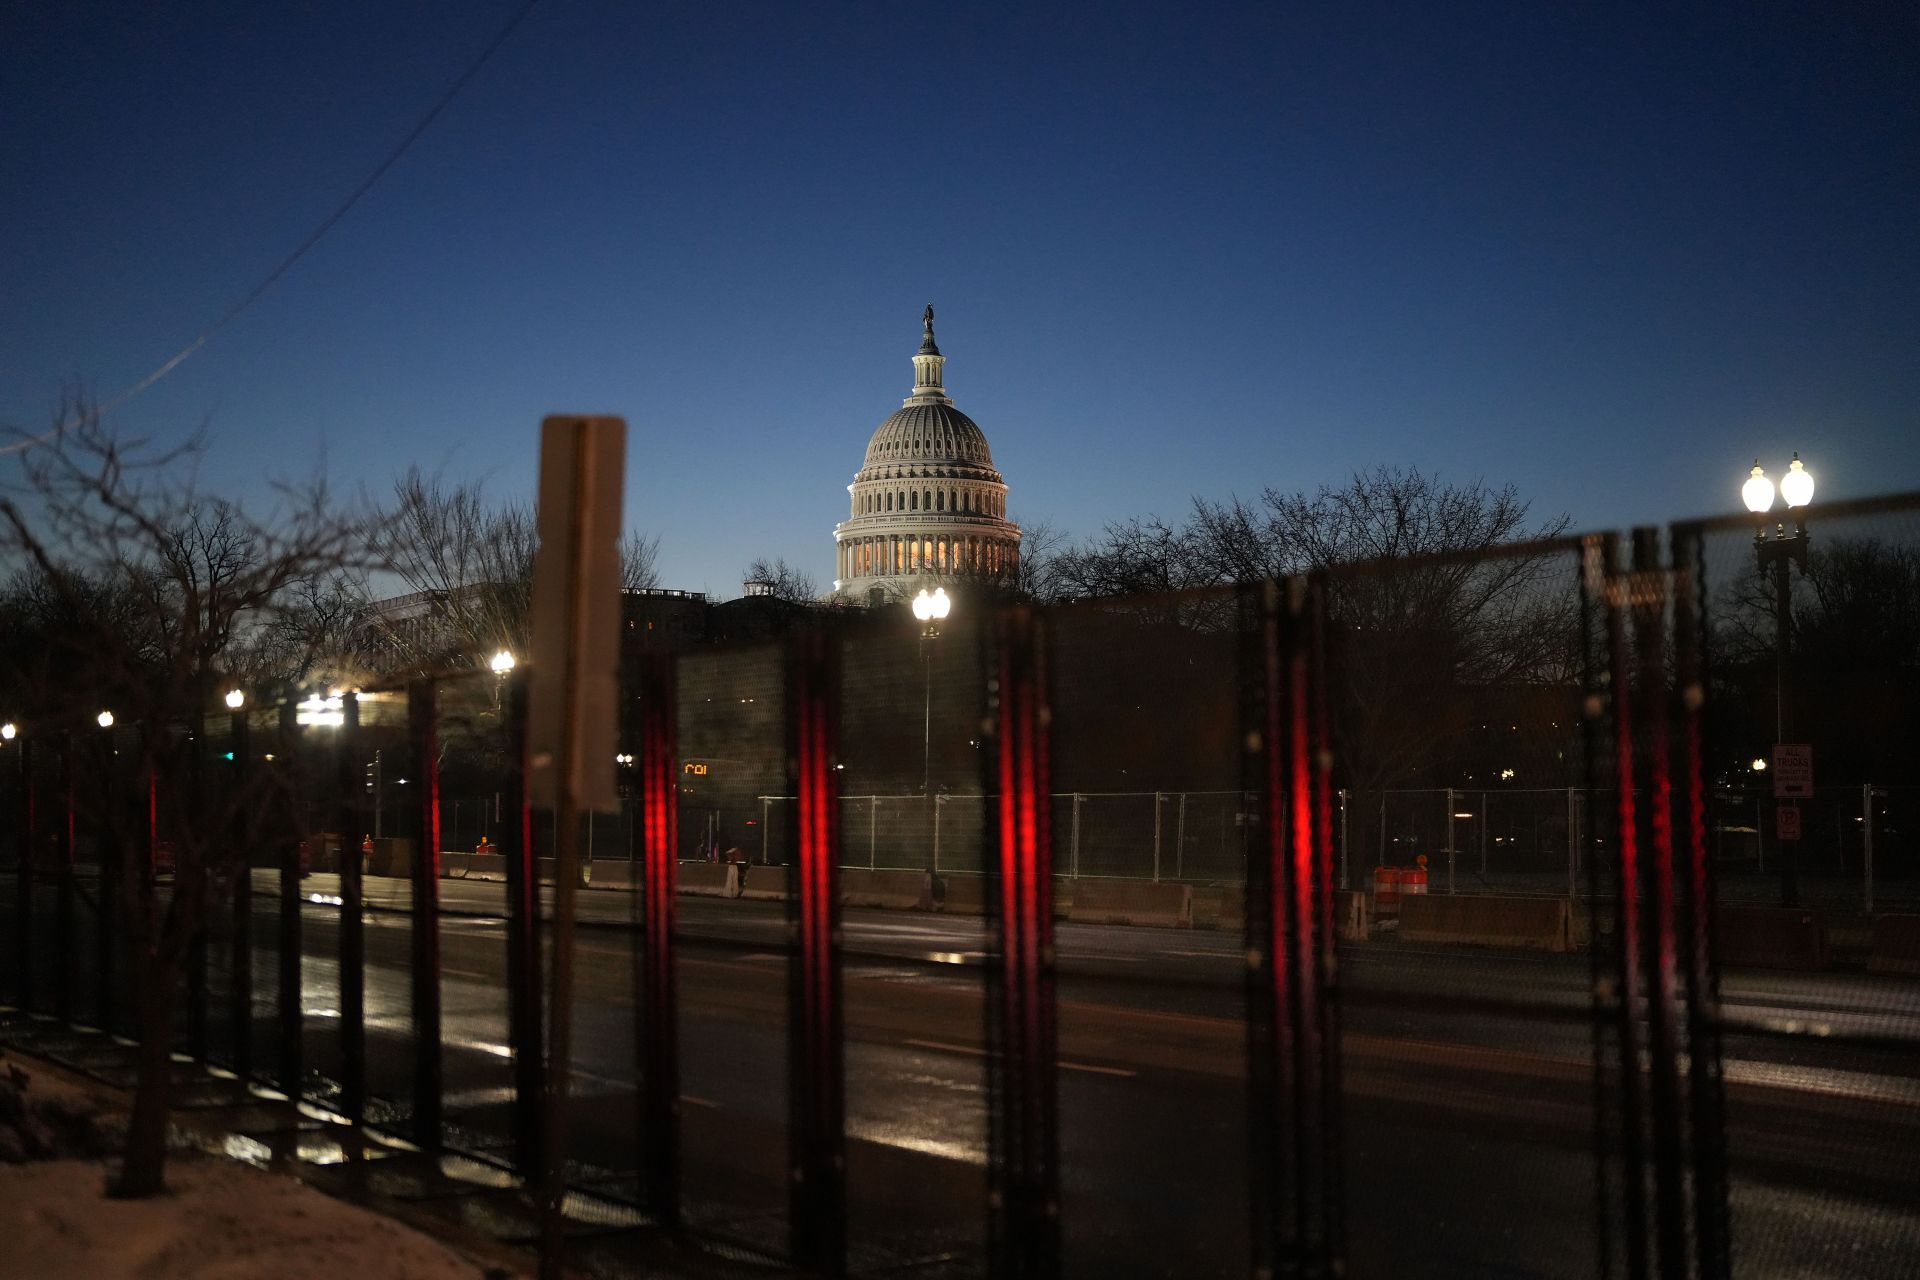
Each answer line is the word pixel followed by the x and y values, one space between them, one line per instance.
pixel 1896 945
pixel 764 884
pixel 1166 906
pixel 1771 938
pixel 896 890
pixel 710 879
pixel 1539 924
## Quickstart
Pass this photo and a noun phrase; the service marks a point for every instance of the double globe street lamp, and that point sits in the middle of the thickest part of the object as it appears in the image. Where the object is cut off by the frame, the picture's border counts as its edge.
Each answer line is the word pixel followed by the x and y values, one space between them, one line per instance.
pixel 1775 551
pixel 930 608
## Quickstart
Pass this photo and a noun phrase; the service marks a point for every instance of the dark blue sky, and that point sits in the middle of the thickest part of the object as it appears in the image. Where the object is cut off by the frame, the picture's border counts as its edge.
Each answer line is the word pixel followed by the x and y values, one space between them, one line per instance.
pixel 1608 253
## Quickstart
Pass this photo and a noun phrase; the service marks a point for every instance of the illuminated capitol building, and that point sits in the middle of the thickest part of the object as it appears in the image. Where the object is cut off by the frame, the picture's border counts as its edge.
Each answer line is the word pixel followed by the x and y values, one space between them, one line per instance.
pixel 927 501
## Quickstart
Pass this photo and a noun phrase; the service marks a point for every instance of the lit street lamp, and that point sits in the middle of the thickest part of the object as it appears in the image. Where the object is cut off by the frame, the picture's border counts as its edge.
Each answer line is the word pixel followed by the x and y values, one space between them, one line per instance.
pixel 105 719
pixel 235 699
pixel 1775 551
pixel 930 609
pixel 502 662
pixel 9 730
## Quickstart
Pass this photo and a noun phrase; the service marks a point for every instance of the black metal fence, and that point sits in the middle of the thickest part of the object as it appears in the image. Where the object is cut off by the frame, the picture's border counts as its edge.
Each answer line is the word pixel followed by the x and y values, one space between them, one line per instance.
pixel 1417 917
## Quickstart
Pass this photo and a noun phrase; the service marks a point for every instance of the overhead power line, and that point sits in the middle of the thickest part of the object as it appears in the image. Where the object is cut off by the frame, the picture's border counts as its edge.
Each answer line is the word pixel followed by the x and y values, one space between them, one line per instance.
pixel 313 238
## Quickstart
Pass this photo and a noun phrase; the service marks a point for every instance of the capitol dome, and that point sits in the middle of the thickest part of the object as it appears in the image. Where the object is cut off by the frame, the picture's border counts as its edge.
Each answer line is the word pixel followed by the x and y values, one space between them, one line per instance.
pixel 929 432
pixel 926 501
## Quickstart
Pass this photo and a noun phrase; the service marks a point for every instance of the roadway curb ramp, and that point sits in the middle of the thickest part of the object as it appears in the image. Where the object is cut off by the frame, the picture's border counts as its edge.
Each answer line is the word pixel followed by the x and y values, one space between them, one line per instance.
pixel 1164 906
pixel 898 890
pixel 1771 938
pixel 1896 945
pixel 1538 924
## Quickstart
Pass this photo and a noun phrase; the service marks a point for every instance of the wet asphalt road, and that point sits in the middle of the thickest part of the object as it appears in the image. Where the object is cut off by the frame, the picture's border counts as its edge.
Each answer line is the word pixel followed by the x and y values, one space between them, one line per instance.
pixel 1468 1089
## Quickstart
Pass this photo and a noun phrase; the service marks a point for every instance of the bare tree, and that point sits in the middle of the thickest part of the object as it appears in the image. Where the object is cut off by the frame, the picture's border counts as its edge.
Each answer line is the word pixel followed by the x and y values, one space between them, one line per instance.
pixel 783 581
pixel 143 588
pixel 1428 597
pixel 1037 573
pixel 1134 557
pixel 468 563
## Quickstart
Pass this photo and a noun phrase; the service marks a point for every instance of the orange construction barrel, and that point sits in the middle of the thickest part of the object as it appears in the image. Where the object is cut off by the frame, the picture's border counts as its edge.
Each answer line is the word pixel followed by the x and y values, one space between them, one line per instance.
pixel 1414 879
pixel 1386 890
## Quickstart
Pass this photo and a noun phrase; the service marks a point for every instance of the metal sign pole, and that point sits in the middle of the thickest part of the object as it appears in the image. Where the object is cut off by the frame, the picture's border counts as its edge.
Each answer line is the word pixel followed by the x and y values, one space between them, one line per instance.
pixel 576 601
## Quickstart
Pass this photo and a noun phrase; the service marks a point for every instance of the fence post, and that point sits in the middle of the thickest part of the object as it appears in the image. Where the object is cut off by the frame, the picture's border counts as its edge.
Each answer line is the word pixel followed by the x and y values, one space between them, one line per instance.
pixel 422 714
pixel 240 908
pixel 818 1073
pixel 26 823
pixel 1380 858
pixel 1293 1116
pixel 1343 837
pixel 1866 842
pixel 108 853
pixel 1573 848
pixel 1023 1128
pixel 873 824
pixel 288 1014
pixel 63 889
pixel 1705 1103
pixel 1156 836
pixel 936 832
pixel 197 946
pixel 1075 863
pixel 523 940
pixel 1450 841
pixel 658 996
pixel 1180 839
pixel 1486 821
pixel 352 933
pixel 765 802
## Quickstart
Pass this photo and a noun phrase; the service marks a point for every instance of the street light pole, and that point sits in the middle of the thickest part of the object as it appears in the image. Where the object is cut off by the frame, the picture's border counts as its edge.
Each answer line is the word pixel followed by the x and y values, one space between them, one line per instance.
pixel 930 609
pixel 1777 551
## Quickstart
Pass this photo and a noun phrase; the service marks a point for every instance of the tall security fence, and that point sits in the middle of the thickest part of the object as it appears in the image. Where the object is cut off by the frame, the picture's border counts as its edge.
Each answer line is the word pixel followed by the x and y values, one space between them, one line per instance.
pixel 1547 910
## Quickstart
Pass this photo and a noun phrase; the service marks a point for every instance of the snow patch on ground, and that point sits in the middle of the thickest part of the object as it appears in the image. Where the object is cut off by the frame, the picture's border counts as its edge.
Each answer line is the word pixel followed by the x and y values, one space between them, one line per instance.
pixel 220 1221
pixel 42 1118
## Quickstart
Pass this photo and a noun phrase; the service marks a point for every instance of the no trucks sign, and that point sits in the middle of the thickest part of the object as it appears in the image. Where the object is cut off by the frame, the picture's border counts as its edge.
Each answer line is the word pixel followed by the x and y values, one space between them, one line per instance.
pixel 1793 771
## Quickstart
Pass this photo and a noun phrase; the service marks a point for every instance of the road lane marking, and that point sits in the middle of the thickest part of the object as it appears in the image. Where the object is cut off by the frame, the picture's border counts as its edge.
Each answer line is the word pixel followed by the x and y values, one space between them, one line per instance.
pixel 976 1051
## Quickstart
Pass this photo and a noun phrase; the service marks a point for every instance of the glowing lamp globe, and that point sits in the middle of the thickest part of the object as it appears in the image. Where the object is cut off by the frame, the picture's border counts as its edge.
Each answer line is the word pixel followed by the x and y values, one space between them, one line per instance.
pixel 932 607
pixel 1757 492
pixel 502 663
pixel 105 719
pixel 236 699
pixel 1797 485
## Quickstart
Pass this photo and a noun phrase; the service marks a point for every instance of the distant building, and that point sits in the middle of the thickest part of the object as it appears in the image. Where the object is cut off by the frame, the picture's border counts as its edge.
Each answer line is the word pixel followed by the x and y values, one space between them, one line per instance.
pixel 927 502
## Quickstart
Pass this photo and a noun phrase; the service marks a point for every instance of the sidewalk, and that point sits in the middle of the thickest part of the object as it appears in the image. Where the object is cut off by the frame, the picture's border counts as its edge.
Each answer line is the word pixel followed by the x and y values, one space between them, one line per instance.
pixel 259 1186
